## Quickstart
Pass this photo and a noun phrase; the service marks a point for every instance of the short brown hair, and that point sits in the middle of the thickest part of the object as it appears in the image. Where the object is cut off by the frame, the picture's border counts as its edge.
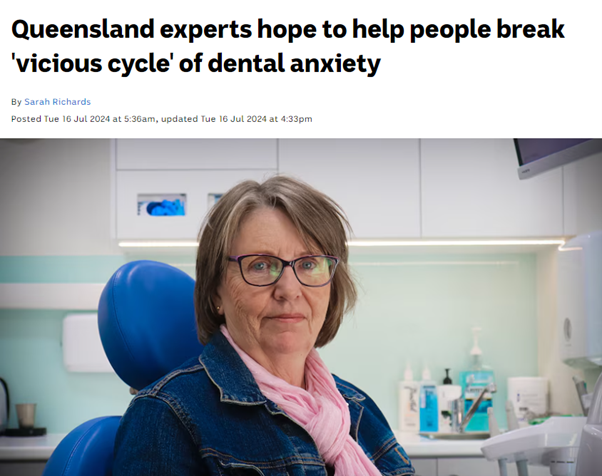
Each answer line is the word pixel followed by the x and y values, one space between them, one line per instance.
pixel 318 219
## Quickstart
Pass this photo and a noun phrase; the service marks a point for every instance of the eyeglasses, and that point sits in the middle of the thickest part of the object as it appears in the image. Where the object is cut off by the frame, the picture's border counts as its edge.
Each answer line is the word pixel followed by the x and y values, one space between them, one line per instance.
pixel 264 270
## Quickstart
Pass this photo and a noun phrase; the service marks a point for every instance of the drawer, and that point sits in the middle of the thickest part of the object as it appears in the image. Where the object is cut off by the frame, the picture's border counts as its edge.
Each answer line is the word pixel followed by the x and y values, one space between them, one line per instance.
pixel 425 466
pixel 481 467
pixel 195 154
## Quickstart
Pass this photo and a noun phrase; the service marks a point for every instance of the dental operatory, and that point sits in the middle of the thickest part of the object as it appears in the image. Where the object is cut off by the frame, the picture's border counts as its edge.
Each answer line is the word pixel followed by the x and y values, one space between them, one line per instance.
pixel 342 307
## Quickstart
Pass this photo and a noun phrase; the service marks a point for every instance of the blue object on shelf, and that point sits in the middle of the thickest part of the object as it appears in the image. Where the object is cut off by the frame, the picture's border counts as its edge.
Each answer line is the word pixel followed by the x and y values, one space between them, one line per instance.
pixel 165 208
pixel 429 409
pixel 472 382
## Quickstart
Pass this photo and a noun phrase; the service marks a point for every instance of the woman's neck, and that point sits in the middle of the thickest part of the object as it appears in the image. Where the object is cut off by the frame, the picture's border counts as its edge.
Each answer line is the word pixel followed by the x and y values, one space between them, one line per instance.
pixel 282 362
pixel 290 368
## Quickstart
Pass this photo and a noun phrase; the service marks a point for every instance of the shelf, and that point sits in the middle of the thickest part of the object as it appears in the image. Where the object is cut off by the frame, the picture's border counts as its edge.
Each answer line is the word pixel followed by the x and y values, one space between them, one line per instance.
pixel 56 296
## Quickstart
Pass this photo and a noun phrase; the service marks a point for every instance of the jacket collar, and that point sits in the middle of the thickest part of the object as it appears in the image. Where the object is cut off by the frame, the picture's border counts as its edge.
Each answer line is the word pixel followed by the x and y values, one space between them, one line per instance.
pixel 229 373
pixel 234 380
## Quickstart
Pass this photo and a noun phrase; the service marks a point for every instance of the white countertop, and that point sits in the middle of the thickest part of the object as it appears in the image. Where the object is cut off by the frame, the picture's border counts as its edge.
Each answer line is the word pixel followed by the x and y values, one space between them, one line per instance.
pixel 40 448
pixel 29 448
pixel 417 446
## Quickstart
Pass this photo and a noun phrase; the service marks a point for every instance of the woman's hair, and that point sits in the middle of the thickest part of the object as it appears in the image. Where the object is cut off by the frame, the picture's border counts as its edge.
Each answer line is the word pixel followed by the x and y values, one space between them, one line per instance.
pixel 318 219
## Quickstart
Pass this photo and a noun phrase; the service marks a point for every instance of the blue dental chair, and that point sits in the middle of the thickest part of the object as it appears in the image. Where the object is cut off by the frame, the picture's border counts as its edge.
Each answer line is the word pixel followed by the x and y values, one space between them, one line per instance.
pixel 147 327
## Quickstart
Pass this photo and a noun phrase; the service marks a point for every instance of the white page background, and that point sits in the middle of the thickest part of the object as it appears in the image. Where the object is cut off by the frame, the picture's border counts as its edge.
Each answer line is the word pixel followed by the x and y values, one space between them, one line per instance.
pixel 484 87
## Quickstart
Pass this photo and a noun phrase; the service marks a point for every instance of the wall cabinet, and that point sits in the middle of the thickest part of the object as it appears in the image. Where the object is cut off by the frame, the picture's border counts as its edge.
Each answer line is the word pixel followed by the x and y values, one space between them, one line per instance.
pixel 198 188
pixel 389 188
pixel 194 171
pixel 376 182
pixel 470 188
pixel 195 154
pixel 583 196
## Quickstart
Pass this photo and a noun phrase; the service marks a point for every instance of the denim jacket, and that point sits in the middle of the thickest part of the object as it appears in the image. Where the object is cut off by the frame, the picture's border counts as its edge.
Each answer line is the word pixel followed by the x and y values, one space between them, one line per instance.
pixel 208 417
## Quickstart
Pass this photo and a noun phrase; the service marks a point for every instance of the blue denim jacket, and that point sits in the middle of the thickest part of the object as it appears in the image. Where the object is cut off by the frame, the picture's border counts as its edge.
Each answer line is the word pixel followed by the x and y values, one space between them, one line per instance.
pixel 208 417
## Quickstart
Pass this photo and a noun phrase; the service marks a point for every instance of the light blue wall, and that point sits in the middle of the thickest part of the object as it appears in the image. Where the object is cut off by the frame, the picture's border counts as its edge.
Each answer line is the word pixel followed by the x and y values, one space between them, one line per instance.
pixel 31 358
pixel 31 362
pixel 422 308
pixel 416 307
pixel 58 269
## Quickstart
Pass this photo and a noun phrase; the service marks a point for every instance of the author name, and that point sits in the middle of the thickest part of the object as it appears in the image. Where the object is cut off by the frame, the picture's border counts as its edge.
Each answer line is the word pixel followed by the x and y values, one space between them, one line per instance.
pixel 50 102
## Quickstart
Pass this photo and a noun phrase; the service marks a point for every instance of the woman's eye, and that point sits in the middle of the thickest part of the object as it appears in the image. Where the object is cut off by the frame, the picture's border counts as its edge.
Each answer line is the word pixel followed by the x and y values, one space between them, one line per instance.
pixel 259 266
pixel 308 264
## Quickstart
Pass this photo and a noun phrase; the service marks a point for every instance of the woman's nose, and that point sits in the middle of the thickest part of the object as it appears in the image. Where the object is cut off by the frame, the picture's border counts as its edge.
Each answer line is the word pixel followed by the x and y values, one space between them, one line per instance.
pixel 288 286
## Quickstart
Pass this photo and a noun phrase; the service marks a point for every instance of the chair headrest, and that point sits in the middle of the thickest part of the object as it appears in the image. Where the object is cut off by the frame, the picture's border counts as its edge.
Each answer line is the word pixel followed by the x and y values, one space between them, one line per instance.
pixel 147 322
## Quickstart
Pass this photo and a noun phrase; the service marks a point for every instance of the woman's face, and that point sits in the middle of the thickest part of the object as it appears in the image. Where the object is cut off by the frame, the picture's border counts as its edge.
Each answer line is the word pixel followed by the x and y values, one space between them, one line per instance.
pixel 283 319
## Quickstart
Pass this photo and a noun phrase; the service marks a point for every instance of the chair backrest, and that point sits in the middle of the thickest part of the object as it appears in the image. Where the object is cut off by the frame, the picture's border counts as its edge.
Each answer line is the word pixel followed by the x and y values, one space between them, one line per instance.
pixel 88 449
pixel 147 327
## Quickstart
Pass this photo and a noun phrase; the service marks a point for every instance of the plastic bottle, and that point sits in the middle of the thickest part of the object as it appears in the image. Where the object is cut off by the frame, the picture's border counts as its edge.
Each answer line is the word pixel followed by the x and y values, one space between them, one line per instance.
pixel 445 394
pixel 472 381
pixel 429 410
pixel 409 415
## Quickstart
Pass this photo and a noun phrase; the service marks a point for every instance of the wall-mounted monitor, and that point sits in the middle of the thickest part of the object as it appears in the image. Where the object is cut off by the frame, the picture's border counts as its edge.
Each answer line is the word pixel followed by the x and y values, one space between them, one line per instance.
pixel 538 155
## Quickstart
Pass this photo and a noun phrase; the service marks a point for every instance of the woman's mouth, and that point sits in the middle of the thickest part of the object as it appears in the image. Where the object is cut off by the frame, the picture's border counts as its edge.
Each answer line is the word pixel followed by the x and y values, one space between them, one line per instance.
pixel 288 318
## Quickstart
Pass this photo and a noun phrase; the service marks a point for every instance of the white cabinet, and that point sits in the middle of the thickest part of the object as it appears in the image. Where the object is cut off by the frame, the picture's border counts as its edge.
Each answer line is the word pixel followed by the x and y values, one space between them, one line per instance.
pixel 481 467
pixel 194 171
pixel 468 466
pixel 376 182
pixel 583 196
pixel 389 188
pixel 198 188
pixel 425 466
pixel 195 154
pixel 470 188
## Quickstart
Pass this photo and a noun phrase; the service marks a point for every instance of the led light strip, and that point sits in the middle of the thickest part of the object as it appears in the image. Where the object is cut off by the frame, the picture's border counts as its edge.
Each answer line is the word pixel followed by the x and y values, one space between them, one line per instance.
pixel 454 242
pixel 364 243
pixel 158 244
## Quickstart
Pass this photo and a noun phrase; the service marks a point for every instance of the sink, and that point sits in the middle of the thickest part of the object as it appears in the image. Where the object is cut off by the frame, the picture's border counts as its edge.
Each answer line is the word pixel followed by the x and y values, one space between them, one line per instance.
pixel 471 435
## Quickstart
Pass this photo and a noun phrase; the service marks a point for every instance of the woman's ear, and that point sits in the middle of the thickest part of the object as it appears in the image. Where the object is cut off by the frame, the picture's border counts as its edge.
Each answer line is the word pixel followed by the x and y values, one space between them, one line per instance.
pixel 217 304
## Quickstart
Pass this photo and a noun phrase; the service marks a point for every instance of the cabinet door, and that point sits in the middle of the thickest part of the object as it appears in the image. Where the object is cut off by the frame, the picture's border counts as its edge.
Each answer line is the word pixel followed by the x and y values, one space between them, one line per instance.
pixel 198 187
pixel 376 182
pixel 22 468
pixel 583 196
pixel 195 154
pixel 425 466
pixel 481 467
pixel 470 188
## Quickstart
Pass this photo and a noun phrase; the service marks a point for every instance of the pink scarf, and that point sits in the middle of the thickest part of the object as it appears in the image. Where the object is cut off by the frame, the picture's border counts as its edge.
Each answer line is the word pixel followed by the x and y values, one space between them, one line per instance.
pixel 320 409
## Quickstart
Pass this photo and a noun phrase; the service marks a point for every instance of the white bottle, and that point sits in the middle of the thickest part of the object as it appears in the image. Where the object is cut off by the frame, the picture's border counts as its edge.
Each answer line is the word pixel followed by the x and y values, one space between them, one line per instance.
pixel 409 412
pixel 446 393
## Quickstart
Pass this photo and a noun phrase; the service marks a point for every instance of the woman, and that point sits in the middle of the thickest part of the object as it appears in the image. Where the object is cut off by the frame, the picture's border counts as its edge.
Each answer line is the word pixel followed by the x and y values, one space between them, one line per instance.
pixel 272 284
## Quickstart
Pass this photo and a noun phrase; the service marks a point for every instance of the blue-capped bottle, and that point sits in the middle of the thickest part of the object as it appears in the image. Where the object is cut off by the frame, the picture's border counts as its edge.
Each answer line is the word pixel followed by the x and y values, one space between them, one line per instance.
pixel 472 382
pixel 429 408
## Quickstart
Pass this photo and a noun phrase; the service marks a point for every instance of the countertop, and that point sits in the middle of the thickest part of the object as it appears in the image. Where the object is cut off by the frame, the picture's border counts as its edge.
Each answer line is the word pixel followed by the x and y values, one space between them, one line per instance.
pixel 30 448
pixel 39 448
pixel 417 446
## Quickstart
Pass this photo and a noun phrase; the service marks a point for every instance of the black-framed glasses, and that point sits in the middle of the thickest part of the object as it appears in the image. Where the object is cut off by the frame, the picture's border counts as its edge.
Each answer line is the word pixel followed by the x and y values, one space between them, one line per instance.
pixel 264 270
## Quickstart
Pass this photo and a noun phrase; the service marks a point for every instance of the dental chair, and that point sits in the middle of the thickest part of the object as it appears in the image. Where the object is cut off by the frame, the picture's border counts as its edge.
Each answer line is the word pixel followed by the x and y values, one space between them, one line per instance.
pixel 147 326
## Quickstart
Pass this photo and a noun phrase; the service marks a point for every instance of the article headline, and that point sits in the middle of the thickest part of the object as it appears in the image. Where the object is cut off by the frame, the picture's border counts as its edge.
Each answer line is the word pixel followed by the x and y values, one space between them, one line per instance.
pixel 219 62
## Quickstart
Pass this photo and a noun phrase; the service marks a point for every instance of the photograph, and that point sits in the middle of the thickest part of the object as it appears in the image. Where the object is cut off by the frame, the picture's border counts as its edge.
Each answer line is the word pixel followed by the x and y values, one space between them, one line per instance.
pixel 441 316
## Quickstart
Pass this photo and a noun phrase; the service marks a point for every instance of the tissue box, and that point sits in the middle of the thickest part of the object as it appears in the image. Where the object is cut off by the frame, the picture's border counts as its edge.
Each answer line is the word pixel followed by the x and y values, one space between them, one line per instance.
pixel 82 348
